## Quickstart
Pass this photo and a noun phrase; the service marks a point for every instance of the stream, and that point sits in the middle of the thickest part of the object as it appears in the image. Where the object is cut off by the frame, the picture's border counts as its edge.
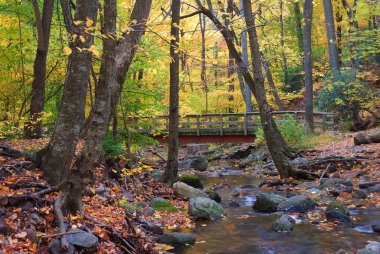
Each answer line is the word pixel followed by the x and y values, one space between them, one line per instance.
pixel 245 231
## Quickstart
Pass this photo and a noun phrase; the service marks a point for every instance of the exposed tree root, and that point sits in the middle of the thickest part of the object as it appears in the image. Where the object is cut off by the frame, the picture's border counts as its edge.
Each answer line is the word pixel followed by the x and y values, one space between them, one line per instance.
pixel 61 222
pixel 331 159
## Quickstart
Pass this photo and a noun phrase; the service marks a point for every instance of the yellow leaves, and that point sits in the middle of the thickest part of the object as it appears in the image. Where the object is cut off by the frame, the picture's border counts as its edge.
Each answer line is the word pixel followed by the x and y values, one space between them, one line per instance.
pixel 82 39
pixel 89 22
pixel 162 247
pixel 67 50
pixel 77 22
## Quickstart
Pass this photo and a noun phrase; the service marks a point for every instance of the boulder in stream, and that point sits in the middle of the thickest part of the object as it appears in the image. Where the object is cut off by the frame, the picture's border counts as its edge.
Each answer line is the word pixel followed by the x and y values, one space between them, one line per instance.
pixel 177 239
pixel 337 211
pixel 284 224
pixel 267 202
pixel 204 208
pixel 196 162
pixel 187 191
pixel 297 204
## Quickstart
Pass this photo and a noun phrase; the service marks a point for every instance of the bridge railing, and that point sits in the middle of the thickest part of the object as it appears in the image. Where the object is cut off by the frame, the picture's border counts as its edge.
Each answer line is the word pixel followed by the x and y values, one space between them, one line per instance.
pixel 225 123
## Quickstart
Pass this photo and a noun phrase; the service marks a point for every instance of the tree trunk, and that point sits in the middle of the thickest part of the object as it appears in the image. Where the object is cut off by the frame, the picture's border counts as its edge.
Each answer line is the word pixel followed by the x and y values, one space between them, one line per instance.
pixel 80 174
pixel 308 16
pixel 298 17
pixel 60 151
pixel 339 19
pixel 33 128
pixel 244 50
pixel 284 62
pixel 171 172
pixel 367 138
pixel 353 27
pixel 272 86
pixel 330 29
pixel 202 22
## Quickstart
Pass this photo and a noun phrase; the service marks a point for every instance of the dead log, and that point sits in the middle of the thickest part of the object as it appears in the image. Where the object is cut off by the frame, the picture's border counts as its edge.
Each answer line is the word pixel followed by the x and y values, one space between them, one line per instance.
pixel 367 138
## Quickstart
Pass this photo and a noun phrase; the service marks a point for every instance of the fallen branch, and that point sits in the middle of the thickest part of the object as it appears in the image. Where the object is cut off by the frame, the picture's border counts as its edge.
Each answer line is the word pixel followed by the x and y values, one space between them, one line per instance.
pixel 327 160
pixel 12 152
pixel 58 234
pixel 367 138
pixel 324 172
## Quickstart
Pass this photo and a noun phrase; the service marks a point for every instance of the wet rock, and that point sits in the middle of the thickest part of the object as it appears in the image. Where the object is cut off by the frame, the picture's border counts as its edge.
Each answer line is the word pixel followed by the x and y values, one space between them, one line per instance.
pixel 300 161
pixel 187 191
pixel 332 182
pixel 248 186
pixel 356 193
pixel 365 182
pixel 196 162
pixel 270 172
pixel 55 247
pixel 191 180
pixel 4 229
pixel 284 224
pixel 177 239
pixel 214 196
pixel 241 152
pixel 374 189
pixel 28 206
pixel 337 211
pixel 196 148
pixel 312 191
pixel 204 208
pixel 270 166
pixel 82 239
pixel 38 219
pixel 161 204
pixel 151 227
pixel 376 226
pixel 371 248
pixel 267 202
pixel 338 190
pixel 149 211
pixel 157 174
pixel 233 204
pixel 297 204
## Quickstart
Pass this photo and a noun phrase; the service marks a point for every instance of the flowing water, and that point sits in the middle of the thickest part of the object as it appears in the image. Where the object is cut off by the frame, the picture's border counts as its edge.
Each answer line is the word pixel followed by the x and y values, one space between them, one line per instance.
pixel 244 231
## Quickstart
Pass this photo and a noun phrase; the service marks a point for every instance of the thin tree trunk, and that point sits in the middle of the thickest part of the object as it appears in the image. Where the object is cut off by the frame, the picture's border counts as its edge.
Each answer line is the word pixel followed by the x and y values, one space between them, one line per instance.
pixel 339 19
pixel 272 86
pixel 308 14
pixel 353 27
pixel 298 18
pixel 80 174
pixel 171 172
pixel 33 128
pixel 244 50
pixel 202 22
pixel 331 38
pixel 284 61
pixel 60 151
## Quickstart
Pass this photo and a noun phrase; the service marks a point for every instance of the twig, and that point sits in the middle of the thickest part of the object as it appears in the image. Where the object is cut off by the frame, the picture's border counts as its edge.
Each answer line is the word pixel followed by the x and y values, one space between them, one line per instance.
pixel 324 171
pixel 58 234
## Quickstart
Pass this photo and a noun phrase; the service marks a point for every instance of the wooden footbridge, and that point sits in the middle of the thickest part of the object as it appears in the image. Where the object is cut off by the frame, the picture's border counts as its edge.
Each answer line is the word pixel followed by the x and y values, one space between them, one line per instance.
pixel 221 128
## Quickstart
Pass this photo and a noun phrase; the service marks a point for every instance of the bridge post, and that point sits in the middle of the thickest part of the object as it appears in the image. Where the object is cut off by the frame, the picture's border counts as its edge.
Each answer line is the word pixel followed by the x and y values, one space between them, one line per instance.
pixel 198 131
pixel 221 124
pixel 245 124
pixel 324 127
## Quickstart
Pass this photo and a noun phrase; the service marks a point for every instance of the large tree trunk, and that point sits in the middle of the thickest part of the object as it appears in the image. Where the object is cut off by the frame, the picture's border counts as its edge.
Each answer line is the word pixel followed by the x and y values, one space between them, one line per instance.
pixel 33 128
pixel 272 86
pixel 80 174
pixel 307 62
pixel 331 38
pixel 171 172
pixel 367 138
pixel 60 151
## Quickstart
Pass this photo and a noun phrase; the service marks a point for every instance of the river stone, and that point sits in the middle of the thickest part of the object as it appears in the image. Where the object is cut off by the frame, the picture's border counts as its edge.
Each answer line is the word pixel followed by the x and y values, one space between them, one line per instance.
pixel 297 204
pixel 177 239
pixel 214 196
pixel 196 148
pixel 284 224
pixel 267 202
pixel 196 162
pixel 338 190
pixel 157 174
pixel 192 180
pixel 332 182
pixel 204 208
pixel 161 204
pixel 300 161
pixel 356 193
pixel 55 247
pixel 338 207
pixel 187 191
pixel 376 227
pixel 336 211
pixel 82 239
pixel 373 246
pixel 374 189
pixel 365 182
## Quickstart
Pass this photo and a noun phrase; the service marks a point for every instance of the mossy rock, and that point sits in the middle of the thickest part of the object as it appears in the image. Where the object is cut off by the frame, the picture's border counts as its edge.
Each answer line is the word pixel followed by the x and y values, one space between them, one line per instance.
pixel 160 204
pixel 191 180
pixel 338 207
pixel 214 196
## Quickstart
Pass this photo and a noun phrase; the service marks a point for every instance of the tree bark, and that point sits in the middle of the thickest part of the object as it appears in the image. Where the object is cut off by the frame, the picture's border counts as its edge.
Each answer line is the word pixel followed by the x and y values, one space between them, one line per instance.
pixel 60 151
pixel 339 19
pixel 308 16
pixel 33 128
pixel 367 138
pixel 80 174
pixel 298 17
pixel 353 27
pixel 284 62
pixel 330 29
pixel 202 22
pixel 171 173
pixel 272 86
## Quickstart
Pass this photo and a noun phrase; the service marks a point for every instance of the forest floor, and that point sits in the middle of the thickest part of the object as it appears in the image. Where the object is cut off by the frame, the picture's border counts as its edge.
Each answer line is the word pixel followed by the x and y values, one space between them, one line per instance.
pixel 117 207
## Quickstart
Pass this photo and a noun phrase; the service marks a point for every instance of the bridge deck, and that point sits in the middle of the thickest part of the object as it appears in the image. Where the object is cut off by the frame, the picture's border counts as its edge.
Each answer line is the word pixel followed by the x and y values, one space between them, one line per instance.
pixel 228 125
